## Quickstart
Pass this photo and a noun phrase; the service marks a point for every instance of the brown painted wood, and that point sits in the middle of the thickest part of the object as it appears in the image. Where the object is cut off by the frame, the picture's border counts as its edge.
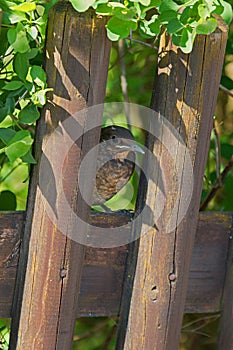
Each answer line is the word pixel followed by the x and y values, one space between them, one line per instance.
pixel 77 57
pixel 225 340
pixel 103 271
pixel 208 263
pixel 154 295
pixel 11 231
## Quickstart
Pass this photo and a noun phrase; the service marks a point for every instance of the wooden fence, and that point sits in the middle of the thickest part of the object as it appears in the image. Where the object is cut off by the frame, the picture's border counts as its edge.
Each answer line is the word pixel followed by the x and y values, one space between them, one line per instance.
pixel 47 280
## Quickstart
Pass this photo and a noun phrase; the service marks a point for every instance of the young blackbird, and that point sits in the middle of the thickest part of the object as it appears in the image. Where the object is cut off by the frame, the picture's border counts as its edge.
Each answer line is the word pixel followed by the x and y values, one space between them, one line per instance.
pixel 115 163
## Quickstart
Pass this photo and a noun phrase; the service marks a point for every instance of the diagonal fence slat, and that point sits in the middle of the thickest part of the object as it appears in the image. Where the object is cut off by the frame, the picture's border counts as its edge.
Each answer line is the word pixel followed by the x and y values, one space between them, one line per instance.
pixel 156 277
pixel 51 262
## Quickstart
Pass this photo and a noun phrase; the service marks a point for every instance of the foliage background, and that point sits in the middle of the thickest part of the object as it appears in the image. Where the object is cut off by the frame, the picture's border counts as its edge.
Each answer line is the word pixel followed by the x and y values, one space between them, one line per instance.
pixel 139 63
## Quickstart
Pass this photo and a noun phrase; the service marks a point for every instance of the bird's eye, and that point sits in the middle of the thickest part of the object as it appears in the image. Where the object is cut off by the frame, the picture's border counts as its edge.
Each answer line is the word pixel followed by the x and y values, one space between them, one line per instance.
pixel 115 139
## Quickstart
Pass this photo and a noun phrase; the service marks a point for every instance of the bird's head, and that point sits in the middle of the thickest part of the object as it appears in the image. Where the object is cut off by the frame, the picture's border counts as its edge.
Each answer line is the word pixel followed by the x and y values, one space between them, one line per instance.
pixel 119 140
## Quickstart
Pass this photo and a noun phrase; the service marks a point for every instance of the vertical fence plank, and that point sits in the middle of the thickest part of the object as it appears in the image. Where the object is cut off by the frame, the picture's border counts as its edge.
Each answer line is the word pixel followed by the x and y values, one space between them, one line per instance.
pixel 156 280
pixel 225 340
pixel 45 302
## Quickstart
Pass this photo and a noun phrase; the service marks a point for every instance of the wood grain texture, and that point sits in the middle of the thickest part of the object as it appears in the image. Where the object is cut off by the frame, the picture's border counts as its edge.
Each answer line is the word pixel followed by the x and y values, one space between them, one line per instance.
pixel 44 309
pixel 208 263
pixel 11 231
pixel 103 271
pixel 225 340
pixel 154 295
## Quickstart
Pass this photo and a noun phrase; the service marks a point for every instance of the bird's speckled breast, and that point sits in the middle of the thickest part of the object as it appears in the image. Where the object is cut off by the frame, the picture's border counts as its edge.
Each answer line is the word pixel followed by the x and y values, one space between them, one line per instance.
pixel 112 176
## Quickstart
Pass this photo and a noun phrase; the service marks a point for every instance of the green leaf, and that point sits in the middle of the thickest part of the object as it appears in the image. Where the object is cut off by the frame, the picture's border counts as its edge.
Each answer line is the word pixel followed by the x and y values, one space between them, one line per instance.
pixel 19 145
pixel 104 9
pixel 226 150
pixel 82 5
pixel 17 150
pixel 13 85
pixel 118 29
pixel 185 16
pixel 227 82
pixel 24 7
pixel 124 13
pixel 21 65
pixel 10 105
pixel 29 114
pixel 33 32
pixel 6 134
pixel 117 4
pixel 7 201
pixel 174 26
pixel 20 136
pixel 3 113
pixel 39 97
pixel 38 75
pixel 18 92
pixel 167 16
pixel 145 2
pixel 11 35
pixel 227 12
pixel 98 3
pixel 207 27
pixel 17 17
pixel 144 9
pixel 184 39
pixel 203 11
pixel 168 5
pixel 151 28
pixel 17 37
pixel 32 53
pixel 28 158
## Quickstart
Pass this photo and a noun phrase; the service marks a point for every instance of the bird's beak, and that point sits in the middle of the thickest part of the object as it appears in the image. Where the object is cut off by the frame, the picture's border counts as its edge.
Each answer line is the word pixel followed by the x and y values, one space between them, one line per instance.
pixel 137 148
pixel 132 147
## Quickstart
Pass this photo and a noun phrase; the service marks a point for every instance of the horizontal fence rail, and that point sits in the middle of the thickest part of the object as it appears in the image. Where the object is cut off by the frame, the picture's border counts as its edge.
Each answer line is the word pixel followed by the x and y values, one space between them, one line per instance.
pixel 101 298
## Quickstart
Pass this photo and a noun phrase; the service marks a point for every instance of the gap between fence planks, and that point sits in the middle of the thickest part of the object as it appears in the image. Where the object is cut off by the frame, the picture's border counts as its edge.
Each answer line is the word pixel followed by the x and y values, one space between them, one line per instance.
pixel 101 298
pixel 44 307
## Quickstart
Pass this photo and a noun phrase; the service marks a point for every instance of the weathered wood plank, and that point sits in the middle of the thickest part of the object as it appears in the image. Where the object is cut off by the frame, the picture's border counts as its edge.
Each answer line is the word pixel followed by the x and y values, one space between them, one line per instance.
pixel 103 271
pixel 154 295
pixel 77 58
pixel 208 264
pixel 225 340
pixel 11 231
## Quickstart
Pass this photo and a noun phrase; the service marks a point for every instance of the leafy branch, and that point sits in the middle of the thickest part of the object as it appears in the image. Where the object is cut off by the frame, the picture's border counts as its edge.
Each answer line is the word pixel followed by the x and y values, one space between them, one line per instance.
pixel 23 80
pixel 183 19
pixel 217 185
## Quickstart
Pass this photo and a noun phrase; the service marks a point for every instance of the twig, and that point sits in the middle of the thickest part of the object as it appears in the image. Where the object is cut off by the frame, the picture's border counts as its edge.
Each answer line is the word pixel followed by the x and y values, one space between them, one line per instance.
pixel 210 318
pixel 109 338
pixel 142 43
pixel 21 97
pixel 196 332
pixel 6 64
pixel 217 185
pixel 124 81
pixel 98 327
pixel 8 54
pixel 217 151
pixel 227 91
pixel 6 73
